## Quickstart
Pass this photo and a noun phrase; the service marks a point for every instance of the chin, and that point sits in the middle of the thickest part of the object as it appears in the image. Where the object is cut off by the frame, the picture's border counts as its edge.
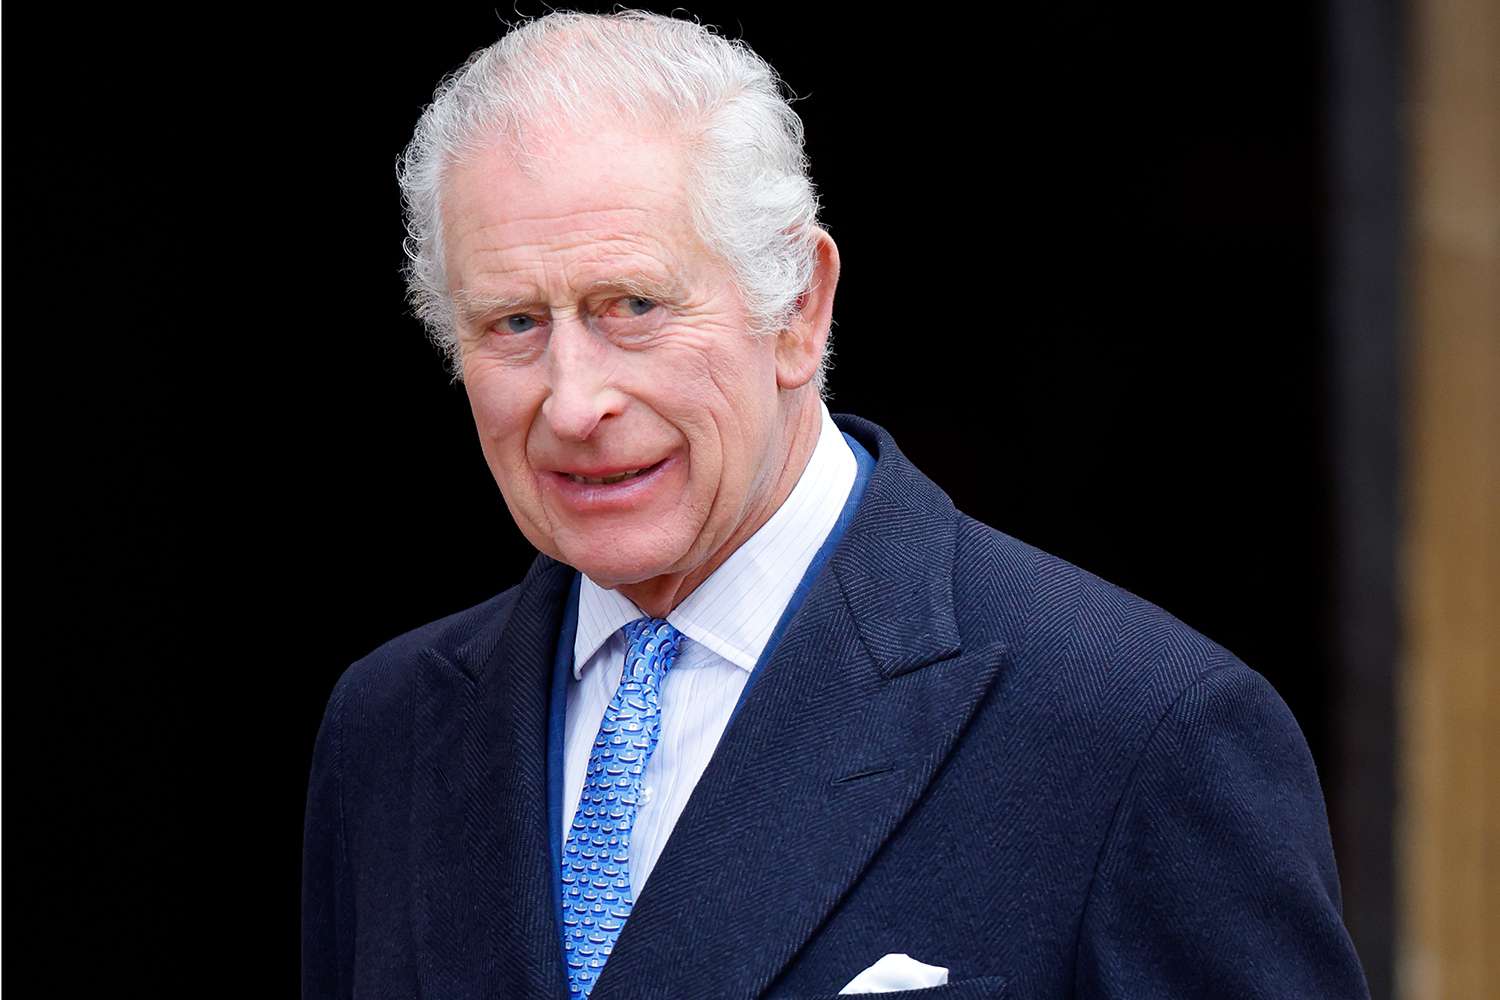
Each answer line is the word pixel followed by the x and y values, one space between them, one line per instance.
pixel 618 569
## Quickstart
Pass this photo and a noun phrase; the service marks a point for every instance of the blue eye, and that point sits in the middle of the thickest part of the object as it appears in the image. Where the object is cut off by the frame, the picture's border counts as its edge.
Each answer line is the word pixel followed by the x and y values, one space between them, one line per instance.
pixel 519 324
pixel 628 307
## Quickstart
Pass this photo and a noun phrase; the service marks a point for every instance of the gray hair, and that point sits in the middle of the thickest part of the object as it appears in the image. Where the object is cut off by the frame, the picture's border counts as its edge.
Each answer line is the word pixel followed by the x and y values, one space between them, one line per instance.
pixel 753 202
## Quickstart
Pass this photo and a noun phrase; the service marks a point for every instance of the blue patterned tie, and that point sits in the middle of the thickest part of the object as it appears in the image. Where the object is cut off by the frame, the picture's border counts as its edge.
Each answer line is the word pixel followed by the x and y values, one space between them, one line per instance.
pixel 596 896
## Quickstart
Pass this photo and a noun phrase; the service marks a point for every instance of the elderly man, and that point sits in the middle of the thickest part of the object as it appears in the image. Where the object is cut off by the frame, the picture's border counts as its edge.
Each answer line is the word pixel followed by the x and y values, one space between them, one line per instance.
pixel 767 717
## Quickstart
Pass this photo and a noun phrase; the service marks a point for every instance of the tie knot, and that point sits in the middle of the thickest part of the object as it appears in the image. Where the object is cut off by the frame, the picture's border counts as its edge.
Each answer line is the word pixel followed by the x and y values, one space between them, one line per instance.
pixel 654 644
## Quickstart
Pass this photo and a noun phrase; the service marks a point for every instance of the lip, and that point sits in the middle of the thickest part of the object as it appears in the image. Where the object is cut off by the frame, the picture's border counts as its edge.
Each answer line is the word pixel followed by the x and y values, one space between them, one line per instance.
pixel 604 497
pixel 603 471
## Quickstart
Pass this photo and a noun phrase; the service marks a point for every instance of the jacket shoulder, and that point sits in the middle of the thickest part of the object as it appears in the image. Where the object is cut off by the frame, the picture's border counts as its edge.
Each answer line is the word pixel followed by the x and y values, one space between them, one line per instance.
pixel 383 676
pixel 1101 648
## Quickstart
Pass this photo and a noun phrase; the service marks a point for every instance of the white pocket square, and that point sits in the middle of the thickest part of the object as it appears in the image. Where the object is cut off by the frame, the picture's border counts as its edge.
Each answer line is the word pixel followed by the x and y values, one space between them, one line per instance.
pixel 896 972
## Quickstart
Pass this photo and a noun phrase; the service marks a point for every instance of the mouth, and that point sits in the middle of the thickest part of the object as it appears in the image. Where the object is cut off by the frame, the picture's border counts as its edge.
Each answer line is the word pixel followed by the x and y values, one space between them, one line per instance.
pixel 609 480
pixel 599 490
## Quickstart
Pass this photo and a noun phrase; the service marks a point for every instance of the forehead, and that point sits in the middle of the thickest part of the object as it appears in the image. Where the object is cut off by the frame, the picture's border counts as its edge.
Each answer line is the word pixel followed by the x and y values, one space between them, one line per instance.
pixel 568 199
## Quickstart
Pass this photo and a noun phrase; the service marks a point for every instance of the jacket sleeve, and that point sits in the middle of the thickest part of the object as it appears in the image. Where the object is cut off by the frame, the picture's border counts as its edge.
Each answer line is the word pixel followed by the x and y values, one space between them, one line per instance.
pixel 1217 876
pixel 327 911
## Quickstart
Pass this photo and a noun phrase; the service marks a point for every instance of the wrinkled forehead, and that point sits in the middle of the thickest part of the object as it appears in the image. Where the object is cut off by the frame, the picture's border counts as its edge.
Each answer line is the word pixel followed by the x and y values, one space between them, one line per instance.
pixel 582 200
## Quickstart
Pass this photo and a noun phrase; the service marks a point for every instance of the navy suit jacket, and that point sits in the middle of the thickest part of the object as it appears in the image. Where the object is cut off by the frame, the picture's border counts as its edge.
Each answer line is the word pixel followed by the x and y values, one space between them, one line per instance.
pixel 962 749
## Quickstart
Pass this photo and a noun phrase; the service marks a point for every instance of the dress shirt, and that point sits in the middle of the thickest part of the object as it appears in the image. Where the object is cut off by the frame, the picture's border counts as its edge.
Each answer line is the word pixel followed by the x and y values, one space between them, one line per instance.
pixel 727 621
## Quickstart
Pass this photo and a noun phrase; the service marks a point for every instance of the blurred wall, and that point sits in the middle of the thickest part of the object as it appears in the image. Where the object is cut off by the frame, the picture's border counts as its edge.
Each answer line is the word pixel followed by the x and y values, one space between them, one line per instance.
pixel 1449 830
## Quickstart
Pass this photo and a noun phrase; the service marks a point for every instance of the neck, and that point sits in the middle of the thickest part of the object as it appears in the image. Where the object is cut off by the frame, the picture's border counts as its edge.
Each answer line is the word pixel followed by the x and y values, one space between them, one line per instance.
pixel 659 595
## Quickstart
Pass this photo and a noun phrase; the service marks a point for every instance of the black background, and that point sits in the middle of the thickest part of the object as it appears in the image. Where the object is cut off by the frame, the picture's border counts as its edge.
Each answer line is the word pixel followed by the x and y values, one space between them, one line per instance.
pixel 1083 286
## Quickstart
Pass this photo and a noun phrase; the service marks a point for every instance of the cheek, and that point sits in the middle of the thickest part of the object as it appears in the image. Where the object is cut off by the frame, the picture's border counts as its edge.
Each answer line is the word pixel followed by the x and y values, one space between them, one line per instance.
pixel 735 409
pixel 501 409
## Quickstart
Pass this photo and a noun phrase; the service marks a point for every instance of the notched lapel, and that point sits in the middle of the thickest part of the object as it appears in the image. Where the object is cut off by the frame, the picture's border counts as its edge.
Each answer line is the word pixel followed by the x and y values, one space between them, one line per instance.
pixel 482 890
pixel 859 705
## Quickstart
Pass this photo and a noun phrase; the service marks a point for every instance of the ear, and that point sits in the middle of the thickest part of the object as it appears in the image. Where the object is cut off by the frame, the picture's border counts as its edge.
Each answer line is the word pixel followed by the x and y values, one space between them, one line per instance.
pixel 799 347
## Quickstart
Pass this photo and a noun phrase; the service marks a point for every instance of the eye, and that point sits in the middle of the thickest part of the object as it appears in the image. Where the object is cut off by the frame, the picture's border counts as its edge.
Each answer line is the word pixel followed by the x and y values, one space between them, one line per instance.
pixel 520 323
pixel 630 306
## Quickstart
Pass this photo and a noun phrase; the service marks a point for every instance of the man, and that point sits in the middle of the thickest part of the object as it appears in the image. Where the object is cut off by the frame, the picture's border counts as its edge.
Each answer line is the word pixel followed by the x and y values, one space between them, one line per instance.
pixel 767 717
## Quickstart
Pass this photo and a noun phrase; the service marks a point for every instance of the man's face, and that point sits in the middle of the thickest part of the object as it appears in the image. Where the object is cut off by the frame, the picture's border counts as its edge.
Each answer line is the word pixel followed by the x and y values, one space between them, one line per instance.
pixel 601 339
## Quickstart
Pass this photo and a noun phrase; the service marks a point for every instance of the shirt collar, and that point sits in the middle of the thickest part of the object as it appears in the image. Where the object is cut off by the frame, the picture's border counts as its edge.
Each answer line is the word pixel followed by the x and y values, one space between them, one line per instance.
pixel 735 610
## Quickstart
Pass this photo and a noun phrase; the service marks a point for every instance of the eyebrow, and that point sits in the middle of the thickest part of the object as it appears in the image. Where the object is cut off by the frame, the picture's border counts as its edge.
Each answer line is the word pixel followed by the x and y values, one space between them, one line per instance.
pixel 475 306
pixel 638 286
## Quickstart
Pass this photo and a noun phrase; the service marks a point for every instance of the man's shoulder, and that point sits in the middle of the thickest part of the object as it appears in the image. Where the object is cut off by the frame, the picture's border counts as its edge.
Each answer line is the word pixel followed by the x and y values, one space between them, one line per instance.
pixel 1093 646
pixel 1086 645
pixel 385 674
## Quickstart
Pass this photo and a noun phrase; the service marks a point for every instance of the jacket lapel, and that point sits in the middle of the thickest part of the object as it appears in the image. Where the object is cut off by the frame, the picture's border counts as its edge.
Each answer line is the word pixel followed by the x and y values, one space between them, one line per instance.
pixel 482 872
pixel 859 705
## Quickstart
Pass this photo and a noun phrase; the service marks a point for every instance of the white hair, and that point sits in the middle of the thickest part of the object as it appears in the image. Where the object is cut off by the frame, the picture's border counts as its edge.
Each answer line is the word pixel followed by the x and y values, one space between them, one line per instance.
pixel 752 200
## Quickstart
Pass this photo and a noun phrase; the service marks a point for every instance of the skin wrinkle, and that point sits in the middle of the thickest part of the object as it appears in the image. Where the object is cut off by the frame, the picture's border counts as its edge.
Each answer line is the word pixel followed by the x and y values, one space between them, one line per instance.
pixel 663 289
pixel 595 385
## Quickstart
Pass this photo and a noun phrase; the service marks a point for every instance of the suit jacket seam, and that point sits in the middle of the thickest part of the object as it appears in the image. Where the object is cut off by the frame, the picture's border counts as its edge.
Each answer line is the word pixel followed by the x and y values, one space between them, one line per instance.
pixel 1106 842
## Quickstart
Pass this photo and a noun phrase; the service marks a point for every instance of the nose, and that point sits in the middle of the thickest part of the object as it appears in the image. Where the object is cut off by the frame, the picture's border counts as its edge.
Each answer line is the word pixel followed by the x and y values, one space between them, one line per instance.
pixel 582 395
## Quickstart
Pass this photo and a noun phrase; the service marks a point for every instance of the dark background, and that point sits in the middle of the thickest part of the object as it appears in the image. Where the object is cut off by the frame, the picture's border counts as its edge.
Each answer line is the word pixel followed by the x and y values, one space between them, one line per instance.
pixel 1091 275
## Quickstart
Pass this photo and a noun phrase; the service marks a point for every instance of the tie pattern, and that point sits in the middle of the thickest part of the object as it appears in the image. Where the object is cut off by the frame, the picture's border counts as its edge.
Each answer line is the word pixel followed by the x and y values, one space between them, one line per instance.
pixel 596 895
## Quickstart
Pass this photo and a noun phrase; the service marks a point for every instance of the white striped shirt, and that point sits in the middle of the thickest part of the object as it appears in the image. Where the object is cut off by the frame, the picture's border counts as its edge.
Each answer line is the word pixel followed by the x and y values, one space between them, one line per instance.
pixel 727 620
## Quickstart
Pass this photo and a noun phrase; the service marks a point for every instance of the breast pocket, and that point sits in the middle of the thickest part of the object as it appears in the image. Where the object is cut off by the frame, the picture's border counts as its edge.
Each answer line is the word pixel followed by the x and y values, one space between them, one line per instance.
pixel 979 988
